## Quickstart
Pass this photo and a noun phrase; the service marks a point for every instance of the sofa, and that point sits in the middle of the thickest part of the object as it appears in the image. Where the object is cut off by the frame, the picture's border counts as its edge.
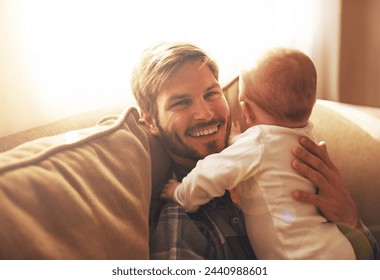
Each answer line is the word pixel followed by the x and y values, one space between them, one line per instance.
pixel 80 188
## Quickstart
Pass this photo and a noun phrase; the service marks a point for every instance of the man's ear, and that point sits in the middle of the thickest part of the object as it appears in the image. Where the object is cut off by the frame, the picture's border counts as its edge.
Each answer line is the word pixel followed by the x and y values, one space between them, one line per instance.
pixel 150 123
pixel 248 113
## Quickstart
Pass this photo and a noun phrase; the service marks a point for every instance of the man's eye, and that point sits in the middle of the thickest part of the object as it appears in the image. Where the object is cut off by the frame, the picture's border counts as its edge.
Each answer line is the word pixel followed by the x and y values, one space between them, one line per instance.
pixel 181 103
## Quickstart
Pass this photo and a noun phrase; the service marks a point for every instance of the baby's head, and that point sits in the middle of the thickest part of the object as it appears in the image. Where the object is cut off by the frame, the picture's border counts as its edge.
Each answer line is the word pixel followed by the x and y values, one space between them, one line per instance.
pixel 279 89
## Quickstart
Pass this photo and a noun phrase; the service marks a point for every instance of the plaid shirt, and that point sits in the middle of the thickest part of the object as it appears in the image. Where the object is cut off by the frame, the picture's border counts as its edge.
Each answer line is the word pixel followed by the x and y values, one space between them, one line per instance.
pixel 216 231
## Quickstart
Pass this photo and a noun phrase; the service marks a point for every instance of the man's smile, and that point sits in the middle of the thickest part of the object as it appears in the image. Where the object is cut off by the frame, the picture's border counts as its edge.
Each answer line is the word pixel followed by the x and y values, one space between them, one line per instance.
pixel 205 132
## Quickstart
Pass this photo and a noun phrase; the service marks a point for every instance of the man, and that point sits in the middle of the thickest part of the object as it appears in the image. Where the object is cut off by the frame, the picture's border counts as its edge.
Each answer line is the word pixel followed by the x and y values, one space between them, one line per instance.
pixel 176 87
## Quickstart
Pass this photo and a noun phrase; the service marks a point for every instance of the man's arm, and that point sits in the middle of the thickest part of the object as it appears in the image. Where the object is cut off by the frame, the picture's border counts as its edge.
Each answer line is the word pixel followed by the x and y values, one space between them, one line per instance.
pixel 332 199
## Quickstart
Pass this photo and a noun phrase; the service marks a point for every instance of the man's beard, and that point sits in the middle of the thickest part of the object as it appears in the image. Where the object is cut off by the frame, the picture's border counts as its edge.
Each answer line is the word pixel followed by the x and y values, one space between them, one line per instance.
pixel 173 143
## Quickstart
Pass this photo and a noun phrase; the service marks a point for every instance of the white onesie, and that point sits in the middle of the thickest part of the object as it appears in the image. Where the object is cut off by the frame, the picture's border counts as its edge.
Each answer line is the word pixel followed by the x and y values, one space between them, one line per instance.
pixel 258 163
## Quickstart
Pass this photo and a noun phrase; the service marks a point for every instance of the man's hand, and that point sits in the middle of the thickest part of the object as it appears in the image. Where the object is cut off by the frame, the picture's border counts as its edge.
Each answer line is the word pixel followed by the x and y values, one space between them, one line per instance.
pixel 332 198
pixel 167 192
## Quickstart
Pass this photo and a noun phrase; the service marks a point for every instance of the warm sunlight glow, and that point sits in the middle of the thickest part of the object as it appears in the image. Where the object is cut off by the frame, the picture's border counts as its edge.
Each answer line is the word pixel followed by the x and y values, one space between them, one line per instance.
pixel 76 55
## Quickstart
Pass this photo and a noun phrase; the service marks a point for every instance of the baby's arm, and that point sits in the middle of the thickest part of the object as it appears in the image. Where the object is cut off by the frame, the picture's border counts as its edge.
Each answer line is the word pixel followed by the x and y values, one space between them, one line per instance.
pixel 168 190
pixel 215 174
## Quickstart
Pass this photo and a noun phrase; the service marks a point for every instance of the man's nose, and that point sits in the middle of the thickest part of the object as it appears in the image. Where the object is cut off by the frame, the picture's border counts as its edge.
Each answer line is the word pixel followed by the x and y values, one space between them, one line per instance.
pixel 202 111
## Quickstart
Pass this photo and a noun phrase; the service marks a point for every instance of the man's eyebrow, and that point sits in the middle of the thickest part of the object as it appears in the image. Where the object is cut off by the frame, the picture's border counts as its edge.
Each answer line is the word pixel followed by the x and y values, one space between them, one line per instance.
pixel 179 96
pixel 214 85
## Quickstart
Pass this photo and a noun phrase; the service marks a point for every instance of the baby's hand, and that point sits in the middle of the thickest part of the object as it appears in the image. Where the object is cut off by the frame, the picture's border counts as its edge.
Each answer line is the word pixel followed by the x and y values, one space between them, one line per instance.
pixel 167 192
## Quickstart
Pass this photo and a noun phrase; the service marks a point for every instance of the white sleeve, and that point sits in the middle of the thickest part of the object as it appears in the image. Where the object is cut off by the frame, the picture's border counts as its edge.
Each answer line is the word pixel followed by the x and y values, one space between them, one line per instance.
pixel 219 172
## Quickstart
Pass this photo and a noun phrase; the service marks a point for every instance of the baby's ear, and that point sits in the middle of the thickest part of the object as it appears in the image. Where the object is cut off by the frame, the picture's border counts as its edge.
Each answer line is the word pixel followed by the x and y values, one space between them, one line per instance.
pixel 248 113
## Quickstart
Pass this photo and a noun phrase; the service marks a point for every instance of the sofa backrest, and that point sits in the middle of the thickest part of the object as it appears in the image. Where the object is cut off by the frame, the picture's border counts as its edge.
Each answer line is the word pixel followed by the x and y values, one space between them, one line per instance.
pixel 79 121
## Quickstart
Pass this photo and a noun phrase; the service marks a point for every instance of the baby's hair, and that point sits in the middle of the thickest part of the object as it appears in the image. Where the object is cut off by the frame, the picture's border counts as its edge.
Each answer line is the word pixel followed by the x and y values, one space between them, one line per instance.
pixel 283 83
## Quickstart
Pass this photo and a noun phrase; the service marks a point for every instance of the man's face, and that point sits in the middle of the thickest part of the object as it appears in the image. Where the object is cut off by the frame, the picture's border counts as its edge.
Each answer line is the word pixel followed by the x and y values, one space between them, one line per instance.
pixel 193 117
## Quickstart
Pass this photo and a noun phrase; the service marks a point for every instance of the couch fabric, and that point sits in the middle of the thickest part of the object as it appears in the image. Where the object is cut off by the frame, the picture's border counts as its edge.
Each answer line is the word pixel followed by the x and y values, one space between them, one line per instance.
pixel 85 194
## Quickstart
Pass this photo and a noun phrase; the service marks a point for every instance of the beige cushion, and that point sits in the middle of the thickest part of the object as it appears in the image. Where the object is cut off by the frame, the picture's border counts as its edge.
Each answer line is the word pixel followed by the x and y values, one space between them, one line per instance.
pixel 80 195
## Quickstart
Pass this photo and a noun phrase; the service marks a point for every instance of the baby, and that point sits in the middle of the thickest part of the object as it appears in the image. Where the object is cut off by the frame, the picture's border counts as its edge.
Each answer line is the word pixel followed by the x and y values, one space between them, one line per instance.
pixel 276 97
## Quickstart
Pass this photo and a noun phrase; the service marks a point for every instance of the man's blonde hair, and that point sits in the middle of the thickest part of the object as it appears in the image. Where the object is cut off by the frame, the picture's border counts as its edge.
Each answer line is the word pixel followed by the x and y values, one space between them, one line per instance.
pixel 283 83
pixel 157 64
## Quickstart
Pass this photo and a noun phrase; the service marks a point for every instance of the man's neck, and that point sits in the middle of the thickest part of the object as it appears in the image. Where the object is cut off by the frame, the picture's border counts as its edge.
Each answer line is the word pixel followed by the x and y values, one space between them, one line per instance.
pixel 182 166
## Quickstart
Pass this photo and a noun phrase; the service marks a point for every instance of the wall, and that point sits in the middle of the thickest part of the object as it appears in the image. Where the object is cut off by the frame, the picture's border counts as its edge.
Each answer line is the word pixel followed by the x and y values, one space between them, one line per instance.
pixel 359 79
pixel 326 48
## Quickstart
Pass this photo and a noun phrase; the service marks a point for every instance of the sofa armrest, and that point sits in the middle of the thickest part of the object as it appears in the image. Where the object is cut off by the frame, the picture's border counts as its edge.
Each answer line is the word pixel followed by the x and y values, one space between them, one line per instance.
pixel 352 135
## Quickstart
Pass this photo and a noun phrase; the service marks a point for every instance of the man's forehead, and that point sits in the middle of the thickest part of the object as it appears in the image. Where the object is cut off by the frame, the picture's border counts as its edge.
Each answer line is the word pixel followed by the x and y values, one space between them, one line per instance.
pixel 188 79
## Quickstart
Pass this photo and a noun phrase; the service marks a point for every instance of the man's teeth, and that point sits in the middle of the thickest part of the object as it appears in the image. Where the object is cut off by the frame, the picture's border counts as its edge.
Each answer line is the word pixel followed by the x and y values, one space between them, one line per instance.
pixel 204 132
